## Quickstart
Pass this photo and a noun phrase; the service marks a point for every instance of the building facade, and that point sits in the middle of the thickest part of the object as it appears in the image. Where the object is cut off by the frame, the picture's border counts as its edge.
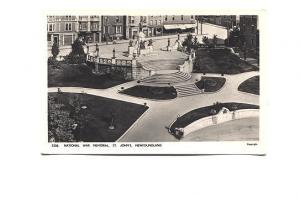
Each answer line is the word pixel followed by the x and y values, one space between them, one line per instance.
pixel 61 30
pixel 89 28
pixel 179 24
pixel 113 28
pixel 155 24
pixel 135 24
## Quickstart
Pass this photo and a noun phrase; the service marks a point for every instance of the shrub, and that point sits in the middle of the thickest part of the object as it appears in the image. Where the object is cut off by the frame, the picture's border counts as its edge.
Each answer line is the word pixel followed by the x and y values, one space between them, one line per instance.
pixel 55 50
pixel 77 55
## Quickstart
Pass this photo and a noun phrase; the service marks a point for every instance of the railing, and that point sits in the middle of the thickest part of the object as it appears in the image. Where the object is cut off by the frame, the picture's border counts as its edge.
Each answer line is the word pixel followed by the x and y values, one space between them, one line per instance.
pixel 109 61
pixel 121 62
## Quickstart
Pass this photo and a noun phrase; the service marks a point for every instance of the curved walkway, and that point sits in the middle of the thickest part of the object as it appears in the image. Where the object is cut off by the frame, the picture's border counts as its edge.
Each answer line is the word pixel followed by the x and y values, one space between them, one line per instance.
pixel 151 127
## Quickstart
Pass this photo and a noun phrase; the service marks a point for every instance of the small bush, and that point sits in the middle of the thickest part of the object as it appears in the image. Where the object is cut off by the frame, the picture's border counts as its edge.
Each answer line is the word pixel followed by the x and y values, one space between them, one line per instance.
pixel 55 50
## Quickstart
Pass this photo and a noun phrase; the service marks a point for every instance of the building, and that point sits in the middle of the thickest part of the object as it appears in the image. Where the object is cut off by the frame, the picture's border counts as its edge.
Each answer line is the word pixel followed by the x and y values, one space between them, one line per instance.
pixel 135 24
pixel 65 29
pixel 61 30
pixel 249 29
pixel 155 25
pixel 113 28
pixel 89 28
pixel 173 24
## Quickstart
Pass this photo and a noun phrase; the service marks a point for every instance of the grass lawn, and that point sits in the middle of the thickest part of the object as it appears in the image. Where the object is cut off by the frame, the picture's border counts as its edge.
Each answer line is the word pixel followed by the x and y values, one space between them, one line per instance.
pixel 79 76
pixel 250 85
pixel 211 84
pixel 220 61
pixel 203 112
pixel 150 92
pixel 98 116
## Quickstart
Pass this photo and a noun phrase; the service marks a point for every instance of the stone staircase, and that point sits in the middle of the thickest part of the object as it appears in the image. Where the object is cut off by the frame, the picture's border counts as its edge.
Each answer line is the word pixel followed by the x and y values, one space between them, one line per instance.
pixel 187 90
pixel 164 79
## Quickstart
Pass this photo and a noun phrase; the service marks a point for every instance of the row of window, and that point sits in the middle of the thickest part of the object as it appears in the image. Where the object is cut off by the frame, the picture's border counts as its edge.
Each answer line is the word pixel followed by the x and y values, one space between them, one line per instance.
pixel 118 29
pixel 157 22
pixel 51 27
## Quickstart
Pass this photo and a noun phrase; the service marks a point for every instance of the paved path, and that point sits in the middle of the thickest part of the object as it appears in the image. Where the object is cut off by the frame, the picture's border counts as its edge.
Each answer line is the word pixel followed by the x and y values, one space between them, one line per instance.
pixel 151 127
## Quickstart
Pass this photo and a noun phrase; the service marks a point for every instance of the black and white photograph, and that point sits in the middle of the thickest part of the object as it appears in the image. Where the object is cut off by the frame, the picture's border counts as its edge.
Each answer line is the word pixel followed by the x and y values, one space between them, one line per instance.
pixel 153 78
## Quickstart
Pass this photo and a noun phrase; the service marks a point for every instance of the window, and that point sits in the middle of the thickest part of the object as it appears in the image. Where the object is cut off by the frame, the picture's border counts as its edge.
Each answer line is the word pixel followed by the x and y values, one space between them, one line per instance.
pixel 50 27
pixel 159 22
pixel 252 42
pixel 182 17
pixel 95 26
pixel 118 29
pixel 155 22
pixel 68 27
pixel 173 18
pixel 132 19
pixel 151 22
pixel 117 19
pixel 192 17
pixel 106 19
pixel 166 18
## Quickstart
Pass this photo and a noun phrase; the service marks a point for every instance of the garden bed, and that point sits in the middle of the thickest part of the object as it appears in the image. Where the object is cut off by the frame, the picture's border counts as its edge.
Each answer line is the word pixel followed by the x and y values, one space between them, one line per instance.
pixel 79 75
pixel 211 84
pixel 98 116
pixel 250 85
pixel 220 61
pixel 151 92
pixel 203 112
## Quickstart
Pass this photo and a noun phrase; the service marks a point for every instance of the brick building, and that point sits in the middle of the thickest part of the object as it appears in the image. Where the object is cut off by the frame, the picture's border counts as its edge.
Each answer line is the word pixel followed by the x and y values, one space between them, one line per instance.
pixel 113 27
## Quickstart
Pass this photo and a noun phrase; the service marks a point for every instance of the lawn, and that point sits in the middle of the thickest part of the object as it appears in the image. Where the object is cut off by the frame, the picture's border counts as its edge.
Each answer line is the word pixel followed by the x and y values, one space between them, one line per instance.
pixel 211 84
pixel 98 116
pixel 250 85
pixel 79 76
pixel 151 92
pixel 220 61
pixel 203 112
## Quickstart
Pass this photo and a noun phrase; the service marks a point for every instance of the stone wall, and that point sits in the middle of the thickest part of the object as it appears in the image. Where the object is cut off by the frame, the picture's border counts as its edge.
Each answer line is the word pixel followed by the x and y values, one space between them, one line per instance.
pixel 221 117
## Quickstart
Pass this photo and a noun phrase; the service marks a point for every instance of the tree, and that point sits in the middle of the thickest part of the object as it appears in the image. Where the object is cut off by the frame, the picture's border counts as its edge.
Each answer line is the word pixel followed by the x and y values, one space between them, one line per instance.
pixel 195 43
pixel 77 48
pixel 60 125
pixel 55 50
pixel 215 40
pixel 77 54
pixel 235 38
pixel 188 42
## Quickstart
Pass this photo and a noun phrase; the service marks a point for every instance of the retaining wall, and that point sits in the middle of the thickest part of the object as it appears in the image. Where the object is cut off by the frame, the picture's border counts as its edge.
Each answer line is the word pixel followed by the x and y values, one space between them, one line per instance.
pixel 220 118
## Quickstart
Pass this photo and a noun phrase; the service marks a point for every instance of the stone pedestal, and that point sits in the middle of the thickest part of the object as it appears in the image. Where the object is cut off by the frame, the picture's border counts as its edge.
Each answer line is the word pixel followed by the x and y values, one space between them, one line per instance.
pixel 130 51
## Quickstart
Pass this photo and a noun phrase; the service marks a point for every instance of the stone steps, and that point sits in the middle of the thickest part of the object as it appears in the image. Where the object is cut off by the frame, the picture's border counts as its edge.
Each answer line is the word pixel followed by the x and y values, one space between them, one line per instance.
pixel 187 90
pixel 167 78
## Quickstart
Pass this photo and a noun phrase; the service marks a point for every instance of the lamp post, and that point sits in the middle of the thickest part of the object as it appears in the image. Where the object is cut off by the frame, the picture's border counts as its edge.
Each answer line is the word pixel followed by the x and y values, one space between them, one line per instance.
pixel 97 50
pixel 114 53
